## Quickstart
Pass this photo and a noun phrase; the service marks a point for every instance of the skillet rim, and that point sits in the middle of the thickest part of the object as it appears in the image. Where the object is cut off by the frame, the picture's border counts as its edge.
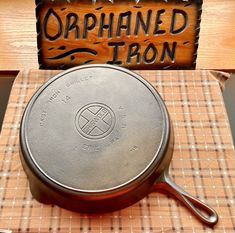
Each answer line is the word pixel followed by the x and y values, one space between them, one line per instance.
pixel 153 167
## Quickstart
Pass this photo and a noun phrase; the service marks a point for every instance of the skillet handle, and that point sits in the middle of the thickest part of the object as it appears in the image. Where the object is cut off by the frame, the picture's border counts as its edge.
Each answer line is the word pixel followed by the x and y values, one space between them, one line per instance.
pixel 205 213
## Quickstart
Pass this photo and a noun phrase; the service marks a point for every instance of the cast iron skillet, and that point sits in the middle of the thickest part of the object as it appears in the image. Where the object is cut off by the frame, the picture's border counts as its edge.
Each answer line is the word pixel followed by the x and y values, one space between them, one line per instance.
pixel 98 138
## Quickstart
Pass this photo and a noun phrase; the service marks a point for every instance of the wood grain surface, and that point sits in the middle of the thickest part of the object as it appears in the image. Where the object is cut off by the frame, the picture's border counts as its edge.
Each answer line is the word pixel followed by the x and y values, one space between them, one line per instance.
pixel 18 47
pixel 148 35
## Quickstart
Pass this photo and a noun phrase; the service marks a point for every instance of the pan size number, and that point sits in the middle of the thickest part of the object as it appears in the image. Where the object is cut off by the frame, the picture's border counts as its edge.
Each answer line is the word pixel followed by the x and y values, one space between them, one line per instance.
pixel 134 148
pixel 66 99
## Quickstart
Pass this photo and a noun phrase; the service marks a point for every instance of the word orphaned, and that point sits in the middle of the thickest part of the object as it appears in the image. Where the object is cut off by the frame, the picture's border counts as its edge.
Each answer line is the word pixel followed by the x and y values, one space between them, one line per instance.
pixel 127 24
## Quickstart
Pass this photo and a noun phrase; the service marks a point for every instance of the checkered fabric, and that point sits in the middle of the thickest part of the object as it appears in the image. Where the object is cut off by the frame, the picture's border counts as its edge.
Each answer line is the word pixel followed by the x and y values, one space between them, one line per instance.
pixel 203 164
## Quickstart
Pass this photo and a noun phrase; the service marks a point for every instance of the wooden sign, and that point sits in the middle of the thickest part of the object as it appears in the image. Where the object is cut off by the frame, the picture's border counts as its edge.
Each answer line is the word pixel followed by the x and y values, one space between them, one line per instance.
pixel 141 34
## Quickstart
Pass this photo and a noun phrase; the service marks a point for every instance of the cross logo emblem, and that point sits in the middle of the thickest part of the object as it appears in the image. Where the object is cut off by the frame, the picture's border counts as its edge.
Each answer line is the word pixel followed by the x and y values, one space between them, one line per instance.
pixel 95 121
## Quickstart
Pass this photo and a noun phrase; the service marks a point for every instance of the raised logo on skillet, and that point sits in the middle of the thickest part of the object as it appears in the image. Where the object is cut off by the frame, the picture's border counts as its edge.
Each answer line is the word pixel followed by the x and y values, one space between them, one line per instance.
pixel 95 121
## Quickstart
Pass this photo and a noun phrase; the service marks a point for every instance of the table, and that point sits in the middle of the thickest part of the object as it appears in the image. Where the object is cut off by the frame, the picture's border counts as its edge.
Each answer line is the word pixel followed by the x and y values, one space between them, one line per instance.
pixel 203 163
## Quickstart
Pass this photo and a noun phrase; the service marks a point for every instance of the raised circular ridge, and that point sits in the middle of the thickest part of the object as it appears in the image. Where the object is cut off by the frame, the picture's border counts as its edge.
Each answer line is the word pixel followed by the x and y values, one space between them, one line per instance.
pixel 152 164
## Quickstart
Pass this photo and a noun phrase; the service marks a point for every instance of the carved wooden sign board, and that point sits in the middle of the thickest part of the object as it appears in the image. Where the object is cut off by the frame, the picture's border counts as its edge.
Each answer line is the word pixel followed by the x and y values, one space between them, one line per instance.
pixel 137 34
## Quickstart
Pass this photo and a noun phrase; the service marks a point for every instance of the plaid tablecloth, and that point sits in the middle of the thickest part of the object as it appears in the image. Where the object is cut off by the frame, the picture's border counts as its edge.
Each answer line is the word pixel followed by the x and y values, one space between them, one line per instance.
pixel 203 164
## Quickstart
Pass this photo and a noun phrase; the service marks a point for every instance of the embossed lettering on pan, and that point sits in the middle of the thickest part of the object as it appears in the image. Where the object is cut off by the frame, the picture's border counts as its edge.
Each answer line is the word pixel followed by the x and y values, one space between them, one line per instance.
pixel 105 147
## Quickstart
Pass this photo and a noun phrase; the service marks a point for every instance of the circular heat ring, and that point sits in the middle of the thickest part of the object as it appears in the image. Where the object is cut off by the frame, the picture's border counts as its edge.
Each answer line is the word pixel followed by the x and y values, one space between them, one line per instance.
pixel 101 150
